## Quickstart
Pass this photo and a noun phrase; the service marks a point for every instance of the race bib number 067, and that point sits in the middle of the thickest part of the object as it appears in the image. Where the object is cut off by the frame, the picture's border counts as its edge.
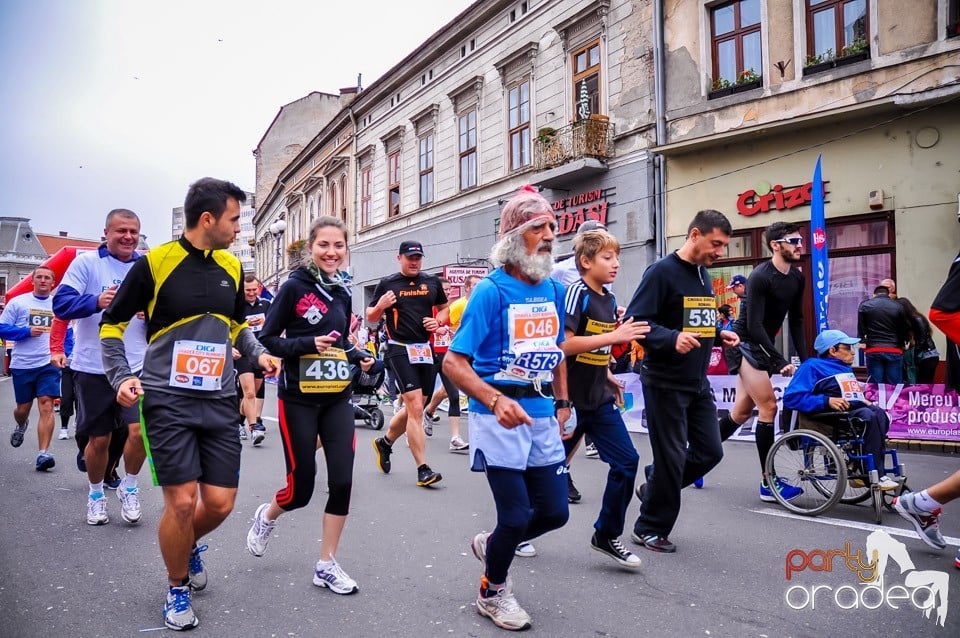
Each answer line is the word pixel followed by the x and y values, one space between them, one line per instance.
pixel 197 365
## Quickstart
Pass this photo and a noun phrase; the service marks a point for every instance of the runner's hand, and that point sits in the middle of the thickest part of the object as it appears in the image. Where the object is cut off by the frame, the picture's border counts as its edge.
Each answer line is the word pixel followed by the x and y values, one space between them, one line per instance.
pixel 687 341
pixel 430 324
pixel 630 330
pixel 107 296
pixel 323 342
pixel 366 364
pixel 563 415
pixel 36 331
pixel 387 300
pixel 729 338
pixel 59 360
pixel 509 413
pixel 129 392
pixel 236 354
pixel 839 404
pixel 788 370
pixel 269 364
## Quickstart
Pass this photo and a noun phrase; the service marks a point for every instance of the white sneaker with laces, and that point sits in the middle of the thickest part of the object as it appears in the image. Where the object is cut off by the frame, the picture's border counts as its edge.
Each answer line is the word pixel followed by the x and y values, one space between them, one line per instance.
pixel 457 444
pixel 525 550
pixel 504 610
pixel 64 434
pixel 331 575
pixel 97 510
pixel 260 531
pixel 427 424
pixel 129 504
pixel 590 451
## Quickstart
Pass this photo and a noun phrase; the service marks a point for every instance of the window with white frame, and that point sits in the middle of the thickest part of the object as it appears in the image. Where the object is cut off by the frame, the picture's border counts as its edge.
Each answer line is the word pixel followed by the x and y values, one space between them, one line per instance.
pixel 518 121
pixel 425 163
pixel 467 147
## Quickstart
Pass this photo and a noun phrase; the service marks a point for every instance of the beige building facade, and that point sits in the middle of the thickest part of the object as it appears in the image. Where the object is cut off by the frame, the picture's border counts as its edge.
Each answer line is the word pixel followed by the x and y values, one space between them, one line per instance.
pixel 758 89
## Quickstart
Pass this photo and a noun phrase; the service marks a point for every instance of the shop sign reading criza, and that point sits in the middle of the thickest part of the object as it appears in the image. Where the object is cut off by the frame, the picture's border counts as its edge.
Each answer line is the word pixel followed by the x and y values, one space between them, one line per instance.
pixel 765 198
pixel 585 206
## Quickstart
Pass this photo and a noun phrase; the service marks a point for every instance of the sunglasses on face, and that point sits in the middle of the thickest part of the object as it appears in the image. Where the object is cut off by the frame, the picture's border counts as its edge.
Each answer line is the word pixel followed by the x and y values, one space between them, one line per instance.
pixel 793 241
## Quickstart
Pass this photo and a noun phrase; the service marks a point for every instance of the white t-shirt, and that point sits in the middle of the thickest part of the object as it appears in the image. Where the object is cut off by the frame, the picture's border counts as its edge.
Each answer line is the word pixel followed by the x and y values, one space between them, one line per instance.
pixel 90 274
pixel 29 310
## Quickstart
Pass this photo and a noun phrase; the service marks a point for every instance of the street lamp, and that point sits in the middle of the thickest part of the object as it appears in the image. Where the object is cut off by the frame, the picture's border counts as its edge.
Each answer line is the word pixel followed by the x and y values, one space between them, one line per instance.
pixel 276 229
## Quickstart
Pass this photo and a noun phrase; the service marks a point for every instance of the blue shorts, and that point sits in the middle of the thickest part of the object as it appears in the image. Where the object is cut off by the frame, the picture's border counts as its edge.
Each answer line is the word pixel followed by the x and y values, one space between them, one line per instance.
pixel 30 383
pixel 492 445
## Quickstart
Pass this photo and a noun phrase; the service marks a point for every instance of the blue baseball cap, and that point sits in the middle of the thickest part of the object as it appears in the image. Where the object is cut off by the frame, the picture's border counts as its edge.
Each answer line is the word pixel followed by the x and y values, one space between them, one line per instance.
pixel 829 338
pixel 736 281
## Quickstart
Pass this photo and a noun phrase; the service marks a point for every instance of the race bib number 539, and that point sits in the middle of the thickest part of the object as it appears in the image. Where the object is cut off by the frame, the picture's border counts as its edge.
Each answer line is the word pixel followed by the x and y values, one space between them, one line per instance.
pixel 700 316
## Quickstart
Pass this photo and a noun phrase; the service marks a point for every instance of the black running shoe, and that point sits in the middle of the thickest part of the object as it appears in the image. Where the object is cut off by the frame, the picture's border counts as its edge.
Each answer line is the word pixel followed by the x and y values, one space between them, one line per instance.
pixel 613 548
pixel 16 437
pixel 639 491
pixel 427 477
pixel 573 494
pixel 654 542
pixel 383 450
pixel 81 462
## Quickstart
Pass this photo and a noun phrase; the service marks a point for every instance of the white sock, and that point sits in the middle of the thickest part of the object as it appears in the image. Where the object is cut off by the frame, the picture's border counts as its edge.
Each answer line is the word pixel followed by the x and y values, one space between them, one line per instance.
pixel 96 488
pixel 43 451
pixel 129 481
pixel 926 502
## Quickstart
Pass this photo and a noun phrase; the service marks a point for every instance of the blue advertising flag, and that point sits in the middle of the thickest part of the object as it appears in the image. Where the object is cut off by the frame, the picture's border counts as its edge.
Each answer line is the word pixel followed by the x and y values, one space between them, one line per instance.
pixel 818 256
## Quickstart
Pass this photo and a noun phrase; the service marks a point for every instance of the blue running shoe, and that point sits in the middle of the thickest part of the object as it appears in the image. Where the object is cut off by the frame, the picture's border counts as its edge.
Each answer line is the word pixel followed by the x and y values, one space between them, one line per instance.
pixel 177 611
pixel 45 461
pixel 787 491
pixel 198 573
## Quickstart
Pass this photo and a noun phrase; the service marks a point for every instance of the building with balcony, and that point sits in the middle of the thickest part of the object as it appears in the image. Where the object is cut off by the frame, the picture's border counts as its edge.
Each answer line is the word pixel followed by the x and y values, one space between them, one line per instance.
pixel 756 90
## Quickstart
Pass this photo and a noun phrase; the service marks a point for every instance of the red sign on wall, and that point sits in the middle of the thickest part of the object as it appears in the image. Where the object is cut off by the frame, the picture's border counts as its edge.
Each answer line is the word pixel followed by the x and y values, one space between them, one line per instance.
pixel 778 197
pixel 585 206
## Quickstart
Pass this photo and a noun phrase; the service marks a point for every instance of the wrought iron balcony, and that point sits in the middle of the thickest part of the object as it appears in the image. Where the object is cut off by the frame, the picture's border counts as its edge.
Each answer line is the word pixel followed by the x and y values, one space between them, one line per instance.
pixel 592 137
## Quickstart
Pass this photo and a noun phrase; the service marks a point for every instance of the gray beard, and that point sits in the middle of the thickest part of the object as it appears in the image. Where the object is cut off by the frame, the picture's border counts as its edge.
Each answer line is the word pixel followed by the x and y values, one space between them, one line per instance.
pixel 512 251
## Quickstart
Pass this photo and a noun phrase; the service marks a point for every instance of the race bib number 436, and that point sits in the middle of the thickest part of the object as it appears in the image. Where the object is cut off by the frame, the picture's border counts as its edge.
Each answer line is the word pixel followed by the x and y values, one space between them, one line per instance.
pixel 324 372
pixel 197 365
pixel 700 316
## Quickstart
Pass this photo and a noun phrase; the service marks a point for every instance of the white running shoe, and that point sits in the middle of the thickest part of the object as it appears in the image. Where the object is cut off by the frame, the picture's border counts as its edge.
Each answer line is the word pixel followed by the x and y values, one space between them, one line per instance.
pixel 504 610
pixel 177 610
pixel 590 451
pixel 97 510
pixel 525 550
pixel 332 575
pixel 64 434
pixel 457 444
pixel 427 424
pixel 198 571
pixel 259 532
pixel 129 504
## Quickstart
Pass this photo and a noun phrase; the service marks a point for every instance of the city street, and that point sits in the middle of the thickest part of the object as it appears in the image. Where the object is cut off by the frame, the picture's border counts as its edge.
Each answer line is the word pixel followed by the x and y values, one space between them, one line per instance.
pixel 408 548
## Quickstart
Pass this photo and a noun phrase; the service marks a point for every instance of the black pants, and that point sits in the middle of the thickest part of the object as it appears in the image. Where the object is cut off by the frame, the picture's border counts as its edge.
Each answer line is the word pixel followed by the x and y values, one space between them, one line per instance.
pixel 300 425
pixel 68 397
pixel 685 441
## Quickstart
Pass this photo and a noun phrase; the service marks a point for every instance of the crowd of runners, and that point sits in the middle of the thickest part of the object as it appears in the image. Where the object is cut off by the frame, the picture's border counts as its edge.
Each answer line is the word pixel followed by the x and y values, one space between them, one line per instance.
pixel 165 355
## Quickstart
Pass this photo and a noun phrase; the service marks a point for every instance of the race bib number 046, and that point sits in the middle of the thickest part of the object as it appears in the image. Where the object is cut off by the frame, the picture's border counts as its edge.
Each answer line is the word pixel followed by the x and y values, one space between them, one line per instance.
pixel 197 365
pixel 326 372
pixel 533 331
pixel 700 316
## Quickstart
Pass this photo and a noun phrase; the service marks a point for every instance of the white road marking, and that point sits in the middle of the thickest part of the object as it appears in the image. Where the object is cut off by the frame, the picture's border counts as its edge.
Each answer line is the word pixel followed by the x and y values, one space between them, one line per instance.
pixel 837 522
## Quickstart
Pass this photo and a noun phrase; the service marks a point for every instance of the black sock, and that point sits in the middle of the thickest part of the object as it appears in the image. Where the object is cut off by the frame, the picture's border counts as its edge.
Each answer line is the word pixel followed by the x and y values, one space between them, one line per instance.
pixel 387 440
pixel 764 436
pixel 728 427
pixel 423 467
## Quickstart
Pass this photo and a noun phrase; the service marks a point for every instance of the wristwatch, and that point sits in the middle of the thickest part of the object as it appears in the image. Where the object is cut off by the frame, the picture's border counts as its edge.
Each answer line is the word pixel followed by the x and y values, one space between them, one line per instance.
pixel 559 404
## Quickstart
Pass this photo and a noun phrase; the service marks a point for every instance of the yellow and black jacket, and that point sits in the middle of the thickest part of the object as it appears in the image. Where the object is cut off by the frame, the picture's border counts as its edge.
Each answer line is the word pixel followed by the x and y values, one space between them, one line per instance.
pixel 187 294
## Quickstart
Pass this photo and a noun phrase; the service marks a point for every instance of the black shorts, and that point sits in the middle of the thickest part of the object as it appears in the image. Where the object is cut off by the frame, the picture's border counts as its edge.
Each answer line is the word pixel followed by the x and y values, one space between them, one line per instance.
pixel 192 439
pixel 758 358
pixel 98 413
pixel 244 365
pixel 410 376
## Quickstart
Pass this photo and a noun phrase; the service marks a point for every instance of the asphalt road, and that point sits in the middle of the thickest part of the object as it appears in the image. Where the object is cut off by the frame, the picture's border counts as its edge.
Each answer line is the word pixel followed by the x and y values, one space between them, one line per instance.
pixel 408 548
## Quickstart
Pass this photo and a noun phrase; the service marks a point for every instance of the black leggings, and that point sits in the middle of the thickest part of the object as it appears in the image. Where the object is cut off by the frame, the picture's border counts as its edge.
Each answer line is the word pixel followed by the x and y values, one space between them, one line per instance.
pixel 453 393
pixel 300 424
pixel 67 396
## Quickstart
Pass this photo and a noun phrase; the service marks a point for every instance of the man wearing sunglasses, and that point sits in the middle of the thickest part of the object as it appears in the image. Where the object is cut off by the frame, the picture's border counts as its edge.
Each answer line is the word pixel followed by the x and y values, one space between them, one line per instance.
pixel 774 291
pixel 406 300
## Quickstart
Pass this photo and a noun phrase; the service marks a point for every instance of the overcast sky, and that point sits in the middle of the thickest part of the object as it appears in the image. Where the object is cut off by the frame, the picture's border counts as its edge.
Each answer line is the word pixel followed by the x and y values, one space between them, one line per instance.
pixel 122 103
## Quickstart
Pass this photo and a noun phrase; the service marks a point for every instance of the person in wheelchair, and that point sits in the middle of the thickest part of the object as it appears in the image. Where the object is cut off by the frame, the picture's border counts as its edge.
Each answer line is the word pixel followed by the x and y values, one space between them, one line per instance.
pixel 826 384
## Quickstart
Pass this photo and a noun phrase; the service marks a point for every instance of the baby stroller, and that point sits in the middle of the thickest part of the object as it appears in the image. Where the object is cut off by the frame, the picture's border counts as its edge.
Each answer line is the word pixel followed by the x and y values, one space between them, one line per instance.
pixel 366 402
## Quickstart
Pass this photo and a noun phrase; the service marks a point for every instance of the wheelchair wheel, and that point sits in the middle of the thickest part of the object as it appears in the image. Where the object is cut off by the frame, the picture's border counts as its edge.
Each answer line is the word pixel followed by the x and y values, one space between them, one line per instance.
pixel 810 461
pixel 376 418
